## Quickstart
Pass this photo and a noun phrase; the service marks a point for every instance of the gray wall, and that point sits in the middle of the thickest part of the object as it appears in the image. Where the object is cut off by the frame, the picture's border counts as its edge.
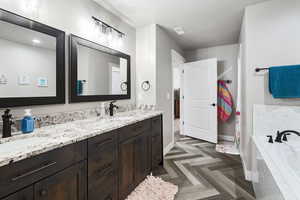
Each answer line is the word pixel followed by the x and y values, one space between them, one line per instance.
pixel 19 59
pixel 146 63
pixel 227 57
pixel 93 66
pixel 154 63
pixel 270 37
pixel 74 16
pixel 164 74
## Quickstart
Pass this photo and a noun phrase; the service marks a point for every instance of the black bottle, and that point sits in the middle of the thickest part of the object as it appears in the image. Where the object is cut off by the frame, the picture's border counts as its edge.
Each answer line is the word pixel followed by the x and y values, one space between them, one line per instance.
pixel 7 122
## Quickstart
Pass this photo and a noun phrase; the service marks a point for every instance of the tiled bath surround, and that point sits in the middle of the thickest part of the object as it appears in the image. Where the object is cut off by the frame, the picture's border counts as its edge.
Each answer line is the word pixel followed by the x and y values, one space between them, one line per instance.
pixel 270 119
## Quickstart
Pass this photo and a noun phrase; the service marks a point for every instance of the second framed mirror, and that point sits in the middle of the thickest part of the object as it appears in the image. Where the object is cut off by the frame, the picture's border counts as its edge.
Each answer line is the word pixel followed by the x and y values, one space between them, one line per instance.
pixel 97 73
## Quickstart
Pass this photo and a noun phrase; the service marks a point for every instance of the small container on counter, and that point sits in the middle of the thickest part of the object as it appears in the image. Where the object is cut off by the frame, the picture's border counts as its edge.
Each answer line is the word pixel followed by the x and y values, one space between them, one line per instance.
pixel 27 125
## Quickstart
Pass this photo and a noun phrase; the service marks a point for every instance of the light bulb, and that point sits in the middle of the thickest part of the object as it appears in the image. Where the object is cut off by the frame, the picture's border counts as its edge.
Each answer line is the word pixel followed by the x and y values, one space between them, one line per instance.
pixel 120 40
pixel 110 37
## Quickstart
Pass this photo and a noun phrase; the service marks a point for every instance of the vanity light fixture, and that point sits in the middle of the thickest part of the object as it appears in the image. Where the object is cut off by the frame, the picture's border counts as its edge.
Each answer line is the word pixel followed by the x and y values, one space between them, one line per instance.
pixel 109 32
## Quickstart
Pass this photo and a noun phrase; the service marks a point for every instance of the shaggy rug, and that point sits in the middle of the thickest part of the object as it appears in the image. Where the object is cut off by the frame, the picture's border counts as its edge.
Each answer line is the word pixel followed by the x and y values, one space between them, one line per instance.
pixel 154 188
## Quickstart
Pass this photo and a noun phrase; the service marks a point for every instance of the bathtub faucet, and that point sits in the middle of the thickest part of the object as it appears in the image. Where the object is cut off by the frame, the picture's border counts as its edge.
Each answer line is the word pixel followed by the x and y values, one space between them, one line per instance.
pixel 279 137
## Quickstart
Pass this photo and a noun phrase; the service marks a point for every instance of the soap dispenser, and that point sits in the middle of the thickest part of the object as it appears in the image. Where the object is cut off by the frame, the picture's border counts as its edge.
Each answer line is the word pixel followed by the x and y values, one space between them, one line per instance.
pixel 27 122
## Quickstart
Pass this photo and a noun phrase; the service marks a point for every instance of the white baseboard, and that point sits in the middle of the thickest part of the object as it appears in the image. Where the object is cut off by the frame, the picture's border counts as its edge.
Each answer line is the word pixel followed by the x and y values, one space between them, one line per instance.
pixel 249 175
pixel 168 148
pixel 226 138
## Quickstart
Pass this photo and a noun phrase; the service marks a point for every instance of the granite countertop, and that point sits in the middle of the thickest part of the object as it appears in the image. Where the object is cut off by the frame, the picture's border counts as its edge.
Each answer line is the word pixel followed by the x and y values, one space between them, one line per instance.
pixel 22 146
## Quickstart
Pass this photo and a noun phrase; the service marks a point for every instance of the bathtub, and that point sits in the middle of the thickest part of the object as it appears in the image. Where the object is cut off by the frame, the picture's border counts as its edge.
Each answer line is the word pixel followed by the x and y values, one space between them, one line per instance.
pixel 278 169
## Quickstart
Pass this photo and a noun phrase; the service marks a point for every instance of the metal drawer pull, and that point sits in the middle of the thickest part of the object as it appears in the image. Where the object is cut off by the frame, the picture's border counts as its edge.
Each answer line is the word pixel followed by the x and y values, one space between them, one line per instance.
pixel 156 120
pixel 43 192
pixel 33 171
pixel 100 144
pixel 138 127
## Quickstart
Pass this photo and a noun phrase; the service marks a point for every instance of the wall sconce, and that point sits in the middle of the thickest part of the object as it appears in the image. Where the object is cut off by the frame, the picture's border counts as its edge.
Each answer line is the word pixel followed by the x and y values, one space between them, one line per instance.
pixel 108 33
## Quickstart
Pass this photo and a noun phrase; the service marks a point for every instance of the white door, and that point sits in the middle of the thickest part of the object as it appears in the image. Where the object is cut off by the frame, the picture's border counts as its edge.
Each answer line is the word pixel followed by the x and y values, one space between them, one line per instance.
pixel 200 100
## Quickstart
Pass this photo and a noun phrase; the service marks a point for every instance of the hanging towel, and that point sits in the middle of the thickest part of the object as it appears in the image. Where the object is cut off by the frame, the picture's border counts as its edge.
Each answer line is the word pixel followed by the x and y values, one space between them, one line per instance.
pixel 79 87
pixel 284 81
pixel 225 102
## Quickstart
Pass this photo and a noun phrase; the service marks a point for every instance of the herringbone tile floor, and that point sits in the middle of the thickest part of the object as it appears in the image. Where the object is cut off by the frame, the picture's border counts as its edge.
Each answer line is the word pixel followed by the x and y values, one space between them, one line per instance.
pixel 203 174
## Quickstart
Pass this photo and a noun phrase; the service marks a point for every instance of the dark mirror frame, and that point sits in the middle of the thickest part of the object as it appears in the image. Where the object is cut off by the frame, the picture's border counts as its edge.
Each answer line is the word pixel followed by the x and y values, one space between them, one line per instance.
pixel 18 20
pixel 74 41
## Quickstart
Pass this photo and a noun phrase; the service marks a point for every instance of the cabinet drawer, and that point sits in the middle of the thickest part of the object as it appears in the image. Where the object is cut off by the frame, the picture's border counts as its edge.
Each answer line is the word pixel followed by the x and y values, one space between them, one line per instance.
pixel 23 173
pixel 104 188
pixel 24 194
pixel 96 144
pixel 102 162
pixel 134 130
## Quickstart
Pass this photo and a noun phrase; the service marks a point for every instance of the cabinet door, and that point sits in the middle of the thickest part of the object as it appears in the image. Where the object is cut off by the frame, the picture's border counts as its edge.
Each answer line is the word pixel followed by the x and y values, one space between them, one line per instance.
pixel 142 157
pixel 25 194
pixel 126 167
pixel 157 142
pixel 69 184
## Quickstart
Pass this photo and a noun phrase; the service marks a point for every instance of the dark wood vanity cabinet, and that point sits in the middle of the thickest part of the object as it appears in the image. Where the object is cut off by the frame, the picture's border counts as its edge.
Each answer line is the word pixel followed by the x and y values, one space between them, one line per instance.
pixel 102 167
pixel 156 143
pixel 69 184
pixel 24 194
pixel 106 167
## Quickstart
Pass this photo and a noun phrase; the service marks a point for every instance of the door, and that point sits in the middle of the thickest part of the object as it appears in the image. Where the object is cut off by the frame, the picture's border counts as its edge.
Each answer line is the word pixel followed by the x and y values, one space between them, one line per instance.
pixel 69 184
pixel 25 194
pixel 142 157
pixel 200 100
pixel 126 167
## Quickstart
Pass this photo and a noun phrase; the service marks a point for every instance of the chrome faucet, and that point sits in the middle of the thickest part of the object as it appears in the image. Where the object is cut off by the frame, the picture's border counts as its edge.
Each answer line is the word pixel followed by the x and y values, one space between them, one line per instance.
pixel 112 107
pixel 282 136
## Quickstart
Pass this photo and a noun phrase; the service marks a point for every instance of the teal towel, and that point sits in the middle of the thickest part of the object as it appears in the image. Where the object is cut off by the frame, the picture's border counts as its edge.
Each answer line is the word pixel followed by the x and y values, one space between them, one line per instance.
pixel 284 81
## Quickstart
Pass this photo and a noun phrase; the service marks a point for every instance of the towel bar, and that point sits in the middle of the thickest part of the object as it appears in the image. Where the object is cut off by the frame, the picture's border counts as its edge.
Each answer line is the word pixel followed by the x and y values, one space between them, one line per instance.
pixel 227 81
pixel 261 69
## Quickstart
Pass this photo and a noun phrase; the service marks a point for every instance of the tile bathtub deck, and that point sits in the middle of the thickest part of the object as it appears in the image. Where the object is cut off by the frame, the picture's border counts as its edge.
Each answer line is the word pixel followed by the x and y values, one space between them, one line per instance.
pixel 201 173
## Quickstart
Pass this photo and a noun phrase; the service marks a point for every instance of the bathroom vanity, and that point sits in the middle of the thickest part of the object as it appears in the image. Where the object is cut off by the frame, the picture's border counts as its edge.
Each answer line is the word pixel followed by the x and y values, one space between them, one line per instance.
pixel 103 159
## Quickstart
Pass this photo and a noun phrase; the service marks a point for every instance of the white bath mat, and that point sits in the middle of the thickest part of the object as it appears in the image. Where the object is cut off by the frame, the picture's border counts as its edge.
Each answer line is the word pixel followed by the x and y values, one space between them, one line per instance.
pixel 154 188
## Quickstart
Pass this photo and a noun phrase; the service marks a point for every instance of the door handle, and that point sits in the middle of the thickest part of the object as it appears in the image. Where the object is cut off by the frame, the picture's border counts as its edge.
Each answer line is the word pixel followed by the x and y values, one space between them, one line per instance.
pixel 213 104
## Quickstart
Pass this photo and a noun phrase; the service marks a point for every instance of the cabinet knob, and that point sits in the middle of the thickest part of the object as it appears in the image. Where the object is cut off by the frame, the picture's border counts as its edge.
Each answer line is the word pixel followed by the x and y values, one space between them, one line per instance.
pixel 43 192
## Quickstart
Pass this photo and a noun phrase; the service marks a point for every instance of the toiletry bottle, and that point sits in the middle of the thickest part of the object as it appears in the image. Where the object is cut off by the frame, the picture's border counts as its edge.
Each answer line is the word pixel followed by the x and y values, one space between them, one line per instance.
pixel 27 122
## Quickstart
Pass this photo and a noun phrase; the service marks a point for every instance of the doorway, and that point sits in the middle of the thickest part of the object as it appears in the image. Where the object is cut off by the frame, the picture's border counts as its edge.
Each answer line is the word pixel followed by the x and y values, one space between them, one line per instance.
pixel 177 62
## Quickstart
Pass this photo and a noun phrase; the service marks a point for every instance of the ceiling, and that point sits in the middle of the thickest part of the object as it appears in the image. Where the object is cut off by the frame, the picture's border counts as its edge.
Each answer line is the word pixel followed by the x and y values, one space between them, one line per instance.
pixel 206 22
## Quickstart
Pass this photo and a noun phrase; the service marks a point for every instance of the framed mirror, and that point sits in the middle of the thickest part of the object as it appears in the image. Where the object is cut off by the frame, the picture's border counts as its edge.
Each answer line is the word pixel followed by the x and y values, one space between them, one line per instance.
pixel 32 58
pixel 97 73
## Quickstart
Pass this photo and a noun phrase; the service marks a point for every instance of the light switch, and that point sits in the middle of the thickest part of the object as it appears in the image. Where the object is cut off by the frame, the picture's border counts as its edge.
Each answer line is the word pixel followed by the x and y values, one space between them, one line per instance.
pixel 168 95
